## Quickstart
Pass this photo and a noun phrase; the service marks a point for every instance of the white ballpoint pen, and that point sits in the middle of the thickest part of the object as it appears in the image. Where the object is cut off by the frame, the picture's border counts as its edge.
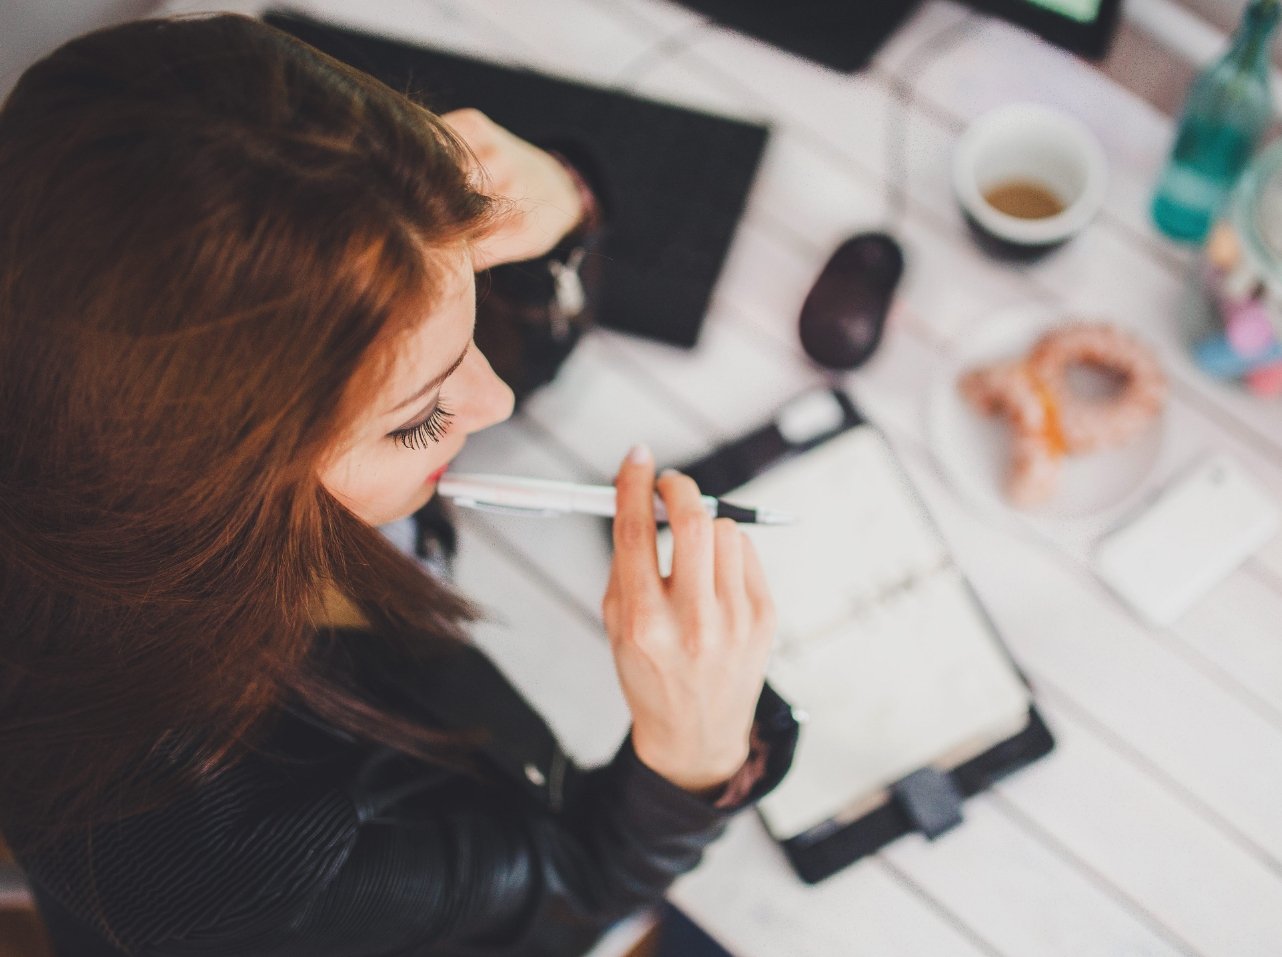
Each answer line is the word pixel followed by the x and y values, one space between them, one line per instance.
pixel 527 496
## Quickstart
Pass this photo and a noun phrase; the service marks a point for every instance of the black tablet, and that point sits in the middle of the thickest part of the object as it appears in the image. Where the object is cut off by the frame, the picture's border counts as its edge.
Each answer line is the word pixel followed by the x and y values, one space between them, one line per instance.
pixel 1083 26
pixel 839 34
pixel 845 34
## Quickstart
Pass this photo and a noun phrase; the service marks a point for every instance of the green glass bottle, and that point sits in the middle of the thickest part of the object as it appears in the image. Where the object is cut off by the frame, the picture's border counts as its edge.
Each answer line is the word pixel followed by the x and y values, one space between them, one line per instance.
pixel 1228 109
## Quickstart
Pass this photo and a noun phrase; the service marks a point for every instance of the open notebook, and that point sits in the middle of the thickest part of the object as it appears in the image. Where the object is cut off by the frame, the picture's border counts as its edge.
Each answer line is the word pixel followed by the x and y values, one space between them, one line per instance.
pixel 881 641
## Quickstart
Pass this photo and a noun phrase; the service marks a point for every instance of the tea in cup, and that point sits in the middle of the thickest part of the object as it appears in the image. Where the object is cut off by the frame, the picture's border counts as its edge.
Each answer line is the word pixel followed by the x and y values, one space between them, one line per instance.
pixel 1028 178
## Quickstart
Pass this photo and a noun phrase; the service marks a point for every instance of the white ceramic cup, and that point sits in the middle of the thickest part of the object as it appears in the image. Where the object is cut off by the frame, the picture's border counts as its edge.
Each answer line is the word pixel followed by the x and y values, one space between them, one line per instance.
pixel 1032 143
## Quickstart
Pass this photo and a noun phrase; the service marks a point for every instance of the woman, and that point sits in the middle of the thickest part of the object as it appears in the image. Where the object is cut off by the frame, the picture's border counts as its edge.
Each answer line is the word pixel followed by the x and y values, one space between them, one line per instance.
pixel 236 316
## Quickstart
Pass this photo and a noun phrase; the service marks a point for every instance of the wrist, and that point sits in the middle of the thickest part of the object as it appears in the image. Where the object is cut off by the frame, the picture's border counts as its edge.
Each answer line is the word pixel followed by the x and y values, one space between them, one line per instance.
pixel 589 208
pixel 707 776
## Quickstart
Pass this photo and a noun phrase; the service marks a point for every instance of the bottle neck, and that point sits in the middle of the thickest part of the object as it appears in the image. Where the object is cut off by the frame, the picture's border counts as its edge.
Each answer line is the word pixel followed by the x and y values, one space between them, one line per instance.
pixel 1252 41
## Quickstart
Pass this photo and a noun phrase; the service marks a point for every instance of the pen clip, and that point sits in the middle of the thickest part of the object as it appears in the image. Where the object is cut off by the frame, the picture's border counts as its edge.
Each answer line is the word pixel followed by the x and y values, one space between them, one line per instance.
pixel 507 509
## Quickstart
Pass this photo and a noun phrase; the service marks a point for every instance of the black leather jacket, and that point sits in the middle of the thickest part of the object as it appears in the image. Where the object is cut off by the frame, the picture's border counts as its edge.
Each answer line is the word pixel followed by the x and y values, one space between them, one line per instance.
pixel 329 846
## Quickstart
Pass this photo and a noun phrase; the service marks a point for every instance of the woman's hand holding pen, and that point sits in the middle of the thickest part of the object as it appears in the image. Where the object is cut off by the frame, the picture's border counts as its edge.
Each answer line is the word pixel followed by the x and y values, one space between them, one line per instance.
pixel 691 648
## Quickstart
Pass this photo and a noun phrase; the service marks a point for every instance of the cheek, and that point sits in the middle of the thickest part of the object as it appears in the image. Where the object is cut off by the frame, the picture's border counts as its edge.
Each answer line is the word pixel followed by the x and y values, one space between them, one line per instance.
pixel 382 485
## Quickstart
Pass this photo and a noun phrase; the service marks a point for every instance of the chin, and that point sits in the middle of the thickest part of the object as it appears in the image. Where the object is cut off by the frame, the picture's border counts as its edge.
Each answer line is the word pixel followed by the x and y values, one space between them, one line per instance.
pixel 409 508
pixel 427 493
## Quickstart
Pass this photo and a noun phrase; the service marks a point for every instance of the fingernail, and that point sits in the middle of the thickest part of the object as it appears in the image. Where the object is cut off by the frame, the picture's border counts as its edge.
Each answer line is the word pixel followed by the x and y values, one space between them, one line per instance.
pixel 667 472
pixel 640 455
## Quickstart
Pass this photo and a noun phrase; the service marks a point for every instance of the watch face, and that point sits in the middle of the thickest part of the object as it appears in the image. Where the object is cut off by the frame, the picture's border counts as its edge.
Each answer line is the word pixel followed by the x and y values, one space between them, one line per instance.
pixel 570 295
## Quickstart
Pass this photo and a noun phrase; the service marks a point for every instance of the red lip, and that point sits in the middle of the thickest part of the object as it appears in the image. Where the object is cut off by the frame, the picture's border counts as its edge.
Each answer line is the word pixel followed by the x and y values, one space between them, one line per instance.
pixel 438 473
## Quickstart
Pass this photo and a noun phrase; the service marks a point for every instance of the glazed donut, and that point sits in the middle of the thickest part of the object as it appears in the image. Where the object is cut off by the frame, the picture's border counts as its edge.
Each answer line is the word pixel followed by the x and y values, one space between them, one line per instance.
pixel 1091 424
pixel 1049 418
pixel 1036 444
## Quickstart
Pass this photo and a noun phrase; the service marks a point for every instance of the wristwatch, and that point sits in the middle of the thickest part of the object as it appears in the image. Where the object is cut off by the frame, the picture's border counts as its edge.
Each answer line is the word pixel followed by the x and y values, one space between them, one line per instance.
pixel 530 314
pixel 566 258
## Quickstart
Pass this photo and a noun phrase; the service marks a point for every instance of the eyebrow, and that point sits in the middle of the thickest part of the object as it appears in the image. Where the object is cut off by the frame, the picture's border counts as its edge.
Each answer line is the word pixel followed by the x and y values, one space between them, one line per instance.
pixel 434 383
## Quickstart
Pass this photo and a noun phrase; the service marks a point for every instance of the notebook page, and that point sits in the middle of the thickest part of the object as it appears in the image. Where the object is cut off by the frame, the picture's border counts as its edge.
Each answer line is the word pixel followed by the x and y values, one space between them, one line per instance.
pixel 880 640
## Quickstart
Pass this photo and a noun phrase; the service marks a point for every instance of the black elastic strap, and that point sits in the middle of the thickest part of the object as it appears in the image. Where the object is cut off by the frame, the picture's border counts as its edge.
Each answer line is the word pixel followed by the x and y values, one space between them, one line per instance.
pixel 931 800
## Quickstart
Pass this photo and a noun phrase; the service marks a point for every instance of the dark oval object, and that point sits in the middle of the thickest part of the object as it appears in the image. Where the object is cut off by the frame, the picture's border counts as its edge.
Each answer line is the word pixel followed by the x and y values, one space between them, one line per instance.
pixel 845 311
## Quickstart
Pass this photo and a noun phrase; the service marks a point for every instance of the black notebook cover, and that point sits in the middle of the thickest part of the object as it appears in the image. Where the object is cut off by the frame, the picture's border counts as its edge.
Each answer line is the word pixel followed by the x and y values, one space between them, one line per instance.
pixel 823 851
pixel 677 179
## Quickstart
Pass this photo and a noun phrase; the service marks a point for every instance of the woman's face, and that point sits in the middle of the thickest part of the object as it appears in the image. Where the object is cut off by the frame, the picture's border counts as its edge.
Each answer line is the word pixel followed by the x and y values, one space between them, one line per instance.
pixel 441 389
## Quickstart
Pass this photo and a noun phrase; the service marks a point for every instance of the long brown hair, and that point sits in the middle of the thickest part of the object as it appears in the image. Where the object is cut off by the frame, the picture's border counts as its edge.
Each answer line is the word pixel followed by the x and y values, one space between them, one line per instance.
pixel 212 237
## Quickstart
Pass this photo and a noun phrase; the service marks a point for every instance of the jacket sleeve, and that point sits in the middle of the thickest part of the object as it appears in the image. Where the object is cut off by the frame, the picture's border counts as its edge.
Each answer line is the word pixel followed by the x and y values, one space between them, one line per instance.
pixel 462 870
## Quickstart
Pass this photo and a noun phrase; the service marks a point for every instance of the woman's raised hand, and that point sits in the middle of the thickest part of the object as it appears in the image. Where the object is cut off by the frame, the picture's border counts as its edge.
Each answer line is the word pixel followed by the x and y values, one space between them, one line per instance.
pixel 545 200
pixel 690 648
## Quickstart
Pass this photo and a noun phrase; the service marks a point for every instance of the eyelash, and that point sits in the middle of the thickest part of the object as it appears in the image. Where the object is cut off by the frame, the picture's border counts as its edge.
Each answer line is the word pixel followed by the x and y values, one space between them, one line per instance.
pixel 433 428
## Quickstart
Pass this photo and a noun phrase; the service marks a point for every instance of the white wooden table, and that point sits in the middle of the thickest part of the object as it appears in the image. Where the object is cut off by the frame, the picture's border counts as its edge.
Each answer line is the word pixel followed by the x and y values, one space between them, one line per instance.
pixel 1156 825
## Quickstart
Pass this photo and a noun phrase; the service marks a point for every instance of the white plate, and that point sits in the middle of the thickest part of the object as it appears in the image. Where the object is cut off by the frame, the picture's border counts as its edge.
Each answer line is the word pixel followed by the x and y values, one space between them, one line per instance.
pixel 974 449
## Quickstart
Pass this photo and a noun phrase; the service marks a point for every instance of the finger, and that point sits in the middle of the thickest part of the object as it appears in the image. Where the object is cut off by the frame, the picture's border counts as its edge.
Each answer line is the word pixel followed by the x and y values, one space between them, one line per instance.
pixel 759 598
pixel 731 590
pixel 636 556
pixel 488 141
pixel 468 126
pixel 610 602
pixel 468 122
pixel 481 136
pixel 693 546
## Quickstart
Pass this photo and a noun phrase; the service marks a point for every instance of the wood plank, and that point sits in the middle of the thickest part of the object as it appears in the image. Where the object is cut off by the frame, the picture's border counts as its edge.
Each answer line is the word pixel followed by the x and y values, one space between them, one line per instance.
pixel 573 39
pixel 1024 896
pixel 728 383
pixel 555 658
pixel 1089 801
pixel 433 23
pixel 1071 636
pixel 743 898
pixel 599 414
pixel 666 16
pixel 575 550
pixel 1236 626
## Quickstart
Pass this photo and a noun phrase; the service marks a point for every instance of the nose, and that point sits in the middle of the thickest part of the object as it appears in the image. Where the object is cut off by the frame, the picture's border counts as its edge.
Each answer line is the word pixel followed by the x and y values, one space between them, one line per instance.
pixel 492 399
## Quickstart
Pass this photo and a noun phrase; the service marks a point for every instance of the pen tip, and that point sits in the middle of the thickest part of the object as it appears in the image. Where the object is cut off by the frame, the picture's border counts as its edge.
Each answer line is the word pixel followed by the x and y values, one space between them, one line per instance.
pixel 770 516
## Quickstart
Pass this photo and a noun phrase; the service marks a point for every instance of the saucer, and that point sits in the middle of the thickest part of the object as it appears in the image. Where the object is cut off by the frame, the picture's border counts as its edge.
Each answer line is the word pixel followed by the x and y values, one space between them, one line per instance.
pixel 973 449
